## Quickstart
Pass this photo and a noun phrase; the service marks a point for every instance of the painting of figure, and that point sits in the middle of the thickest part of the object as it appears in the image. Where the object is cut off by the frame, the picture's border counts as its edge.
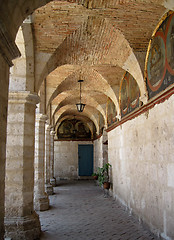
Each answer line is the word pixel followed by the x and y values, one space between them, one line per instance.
pixel 72 129
pixel 124 94
pixel 160 58
pixel 111 112
pixel 134 91
pixel 129 94
pixel 101 123
pixel 156 61
pixel 170 44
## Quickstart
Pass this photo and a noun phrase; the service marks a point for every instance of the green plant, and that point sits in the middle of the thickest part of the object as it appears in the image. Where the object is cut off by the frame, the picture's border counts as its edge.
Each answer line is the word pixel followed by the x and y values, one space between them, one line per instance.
pixel 103 173
pixel 95 174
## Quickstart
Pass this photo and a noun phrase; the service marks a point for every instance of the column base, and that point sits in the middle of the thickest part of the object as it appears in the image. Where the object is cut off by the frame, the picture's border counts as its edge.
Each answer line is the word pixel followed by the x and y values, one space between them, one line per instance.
pixel 41 203
pixel 20 228
pixel 53 182
pixel 49 189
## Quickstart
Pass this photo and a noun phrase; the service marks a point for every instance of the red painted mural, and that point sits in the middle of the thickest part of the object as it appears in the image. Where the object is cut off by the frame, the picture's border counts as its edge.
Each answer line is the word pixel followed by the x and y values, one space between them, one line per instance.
pixel 160 58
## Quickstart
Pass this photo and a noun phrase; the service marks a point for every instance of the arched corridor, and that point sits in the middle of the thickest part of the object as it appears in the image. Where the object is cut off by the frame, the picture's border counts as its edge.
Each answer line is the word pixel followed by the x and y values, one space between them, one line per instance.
pixel 86 88
pixel 80 210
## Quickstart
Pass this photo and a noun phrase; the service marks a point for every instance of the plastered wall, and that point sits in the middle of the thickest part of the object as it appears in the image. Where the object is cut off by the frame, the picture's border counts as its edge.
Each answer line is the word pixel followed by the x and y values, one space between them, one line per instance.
pixel 66 159
pixel 98 154
pixel 141 154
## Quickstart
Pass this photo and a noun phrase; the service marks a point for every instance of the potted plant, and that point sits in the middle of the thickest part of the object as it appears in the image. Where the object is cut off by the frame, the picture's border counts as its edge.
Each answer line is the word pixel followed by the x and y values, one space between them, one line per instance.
pixel 103 176
pixel 95 176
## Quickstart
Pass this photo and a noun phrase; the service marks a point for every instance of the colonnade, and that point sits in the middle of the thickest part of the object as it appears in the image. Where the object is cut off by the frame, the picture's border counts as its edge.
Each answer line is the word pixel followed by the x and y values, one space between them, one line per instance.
pixel 28 166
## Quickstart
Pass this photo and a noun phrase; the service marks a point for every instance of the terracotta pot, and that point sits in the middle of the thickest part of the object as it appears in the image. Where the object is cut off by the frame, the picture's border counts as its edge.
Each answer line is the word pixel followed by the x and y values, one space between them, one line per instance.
pixel 106 185
pixel 95 177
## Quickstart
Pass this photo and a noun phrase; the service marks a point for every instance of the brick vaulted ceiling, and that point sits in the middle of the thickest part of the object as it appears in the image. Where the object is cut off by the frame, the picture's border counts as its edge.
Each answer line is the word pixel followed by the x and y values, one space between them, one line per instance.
pixel 91 40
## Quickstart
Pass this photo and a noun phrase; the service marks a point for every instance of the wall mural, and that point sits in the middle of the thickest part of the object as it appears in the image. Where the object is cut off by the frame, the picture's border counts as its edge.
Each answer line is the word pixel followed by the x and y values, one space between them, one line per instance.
pixel 160 58
pixel 111 112
pixel 101 123
pixel 129 94
pixel 73 129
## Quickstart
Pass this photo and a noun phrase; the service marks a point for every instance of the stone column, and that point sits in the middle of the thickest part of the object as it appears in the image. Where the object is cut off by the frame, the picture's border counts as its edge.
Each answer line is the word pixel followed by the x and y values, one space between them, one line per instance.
pixel 4 68
pixel 41 200
pixel 105 147
pixel 21 221
pixel 48 186
pixel 52 179
pixel 8 52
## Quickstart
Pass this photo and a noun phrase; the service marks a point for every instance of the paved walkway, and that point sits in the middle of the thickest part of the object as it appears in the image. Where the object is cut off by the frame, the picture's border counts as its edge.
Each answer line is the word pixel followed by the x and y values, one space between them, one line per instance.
pixel 79 211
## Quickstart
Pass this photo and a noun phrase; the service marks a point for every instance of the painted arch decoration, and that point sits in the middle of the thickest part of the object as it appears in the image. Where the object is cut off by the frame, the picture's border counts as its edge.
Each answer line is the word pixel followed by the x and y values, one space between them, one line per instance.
pixel 160 57
pixel 73 129
pixel 129 94
pixel 111 112
pixel 101 123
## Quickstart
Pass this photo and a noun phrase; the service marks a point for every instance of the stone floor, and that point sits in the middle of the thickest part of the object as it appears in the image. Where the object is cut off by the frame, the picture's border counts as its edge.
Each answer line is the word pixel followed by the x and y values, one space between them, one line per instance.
pixel 79 211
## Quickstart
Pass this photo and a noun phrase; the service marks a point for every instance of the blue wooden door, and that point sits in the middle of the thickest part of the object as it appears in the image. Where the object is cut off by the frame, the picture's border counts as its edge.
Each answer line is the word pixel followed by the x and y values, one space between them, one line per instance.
pixel 85 154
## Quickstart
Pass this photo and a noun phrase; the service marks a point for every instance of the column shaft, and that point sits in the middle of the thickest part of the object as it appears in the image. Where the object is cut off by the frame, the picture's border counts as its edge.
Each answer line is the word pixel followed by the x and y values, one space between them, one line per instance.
pixel 48 186
pixel 21 221
pixel 41 200
pixel 52 179
pixel 4 68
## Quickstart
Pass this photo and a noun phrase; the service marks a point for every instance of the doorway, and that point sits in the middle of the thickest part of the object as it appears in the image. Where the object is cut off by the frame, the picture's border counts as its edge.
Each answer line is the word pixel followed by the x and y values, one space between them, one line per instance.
pixel 85 159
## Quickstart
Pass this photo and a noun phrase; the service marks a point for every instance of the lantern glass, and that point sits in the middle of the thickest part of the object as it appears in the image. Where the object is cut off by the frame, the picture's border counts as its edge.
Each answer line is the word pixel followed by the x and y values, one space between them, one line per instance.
pixel 80 107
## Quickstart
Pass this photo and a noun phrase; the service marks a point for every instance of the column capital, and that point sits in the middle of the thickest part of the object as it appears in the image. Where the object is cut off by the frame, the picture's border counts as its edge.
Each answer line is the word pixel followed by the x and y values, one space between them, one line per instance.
pixel 8 48
pixel 20 97
pixel 48 127
pixel 41 117
pixel 52 132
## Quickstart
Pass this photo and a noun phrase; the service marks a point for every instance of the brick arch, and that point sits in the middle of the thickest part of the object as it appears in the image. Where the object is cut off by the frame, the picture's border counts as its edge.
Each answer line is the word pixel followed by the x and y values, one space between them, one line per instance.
pixel 14 12
pixel 95 81
pixel 88 113
pixel 19 10
pixel 90 101
pixel 80 48
pixel 84 119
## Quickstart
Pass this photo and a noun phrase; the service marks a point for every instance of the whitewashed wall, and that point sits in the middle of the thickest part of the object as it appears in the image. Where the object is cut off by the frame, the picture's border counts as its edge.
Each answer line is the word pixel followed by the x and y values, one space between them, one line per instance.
pixel 98 153
pixel 141 152
pixel 66 159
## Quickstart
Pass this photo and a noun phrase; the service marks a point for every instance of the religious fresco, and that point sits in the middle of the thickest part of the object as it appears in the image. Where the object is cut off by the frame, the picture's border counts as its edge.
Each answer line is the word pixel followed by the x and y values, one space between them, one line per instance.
pixel 160 58
pixel 73 129
pixel 111 112
pixel 129 94
pixel 101 123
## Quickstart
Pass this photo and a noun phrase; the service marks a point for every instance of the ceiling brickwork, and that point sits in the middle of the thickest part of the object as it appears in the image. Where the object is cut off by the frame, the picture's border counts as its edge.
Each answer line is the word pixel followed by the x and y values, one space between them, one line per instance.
pixel 92 40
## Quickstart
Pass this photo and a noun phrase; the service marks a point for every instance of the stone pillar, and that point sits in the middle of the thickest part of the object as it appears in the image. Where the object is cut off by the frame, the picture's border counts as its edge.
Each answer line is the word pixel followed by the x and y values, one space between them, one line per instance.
pixel 48 186
pixel 4 68
pixel 8 52
pixel 52 179
pixel 105 147
pixel 21 221
pixel 41 200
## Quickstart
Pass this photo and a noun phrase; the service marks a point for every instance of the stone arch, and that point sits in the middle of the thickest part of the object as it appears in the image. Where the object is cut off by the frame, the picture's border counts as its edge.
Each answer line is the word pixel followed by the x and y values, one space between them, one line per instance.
pixel 22 73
